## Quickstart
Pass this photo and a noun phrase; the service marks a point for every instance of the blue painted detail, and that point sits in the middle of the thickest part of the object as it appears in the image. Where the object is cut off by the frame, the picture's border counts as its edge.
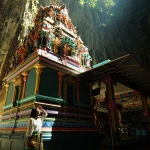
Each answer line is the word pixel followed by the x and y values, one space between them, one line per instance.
pixel 67 125
pixel 121 95
pixel 10 125
pixel 21 124
pixel 139 132
pixel 48 124
pixel 130 93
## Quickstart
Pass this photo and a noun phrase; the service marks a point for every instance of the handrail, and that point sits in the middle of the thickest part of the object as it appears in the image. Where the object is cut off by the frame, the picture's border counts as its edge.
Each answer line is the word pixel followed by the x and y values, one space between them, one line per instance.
pixel 134 122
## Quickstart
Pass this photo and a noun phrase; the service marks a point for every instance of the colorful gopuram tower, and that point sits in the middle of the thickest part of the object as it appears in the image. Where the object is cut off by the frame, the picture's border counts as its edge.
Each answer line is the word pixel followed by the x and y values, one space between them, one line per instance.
pixel 45 70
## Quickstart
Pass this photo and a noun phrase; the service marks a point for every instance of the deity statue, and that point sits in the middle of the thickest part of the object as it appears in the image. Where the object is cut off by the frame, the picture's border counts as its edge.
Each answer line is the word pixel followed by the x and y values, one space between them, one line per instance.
pixel 58 32
pixel 55 7
pixel 64 49
pixel 83 59
pixel 69 24
pixel 51 12
pixel 50 37
pixel 74 30
pixel 64 11
pixel 56 44
pixel 42 38
pixel 41 12
pixel 65 20
pixel 22 53
pixel 88 60
pixel 79 42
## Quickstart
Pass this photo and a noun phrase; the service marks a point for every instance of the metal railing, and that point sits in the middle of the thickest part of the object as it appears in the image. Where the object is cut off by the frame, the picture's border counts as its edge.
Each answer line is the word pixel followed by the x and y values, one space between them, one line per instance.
pixel 132 133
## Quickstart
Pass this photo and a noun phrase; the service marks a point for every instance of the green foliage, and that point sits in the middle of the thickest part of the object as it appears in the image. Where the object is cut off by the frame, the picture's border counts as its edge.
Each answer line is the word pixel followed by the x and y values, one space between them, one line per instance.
pixel 100 5
pixel 30 27
pixel 81 2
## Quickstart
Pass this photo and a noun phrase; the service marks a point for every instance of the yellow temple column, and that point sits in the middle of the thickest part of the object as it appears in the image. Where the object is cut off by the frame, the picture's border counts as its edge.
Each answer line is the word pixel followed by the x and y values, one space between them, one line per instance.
pixel 18 83
pixel 25 76
pixel 6 88
pixel 20 91
pixel 60 77
pixel 145 108
pixel 112 108
pixel 39 68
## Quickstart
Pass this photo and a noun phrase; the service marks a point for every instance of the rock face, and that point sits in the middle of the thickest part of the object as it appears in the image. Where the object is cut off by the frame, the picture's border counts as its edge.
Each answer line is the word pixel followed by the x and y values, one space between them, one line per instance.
pixel 11 17
pixel 15 18
pixel 125 30
pixel 11 14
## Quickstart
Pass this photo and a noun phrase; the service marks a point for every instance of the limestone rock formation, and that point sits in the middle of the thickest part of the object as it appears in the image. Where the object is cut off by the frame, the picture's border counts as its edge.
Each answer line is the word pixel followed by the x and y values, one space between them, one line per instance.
pixel 15 21
pixel 107 36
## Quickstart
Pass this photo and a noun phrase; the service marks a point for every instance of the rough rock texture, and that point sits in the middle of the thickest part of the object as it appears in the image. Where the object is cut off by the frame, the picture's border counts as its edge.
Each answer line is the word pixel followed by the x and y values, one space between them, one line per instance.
pixel 11 14
pixel 16 18
pixel 2 97
pixel 106 36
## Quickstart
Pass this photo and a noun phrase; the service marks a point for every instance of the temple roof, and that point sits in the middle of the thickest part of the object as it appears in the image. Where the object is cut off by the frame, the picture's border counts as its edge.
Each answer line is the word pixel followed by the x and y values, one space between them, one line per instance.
pixel 126 70
pixel 53 35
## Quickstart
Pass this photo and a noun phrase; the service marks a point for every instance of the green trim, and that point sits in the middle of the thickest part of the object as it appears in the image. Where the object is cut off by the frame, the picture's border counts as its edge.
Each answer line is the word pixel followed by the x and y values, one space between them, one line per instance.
pixel 22 120
pixel 68 120
pixel 8 121
pixel 37 97
pixel 58 100
pixel 27 99
pixel 8 106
